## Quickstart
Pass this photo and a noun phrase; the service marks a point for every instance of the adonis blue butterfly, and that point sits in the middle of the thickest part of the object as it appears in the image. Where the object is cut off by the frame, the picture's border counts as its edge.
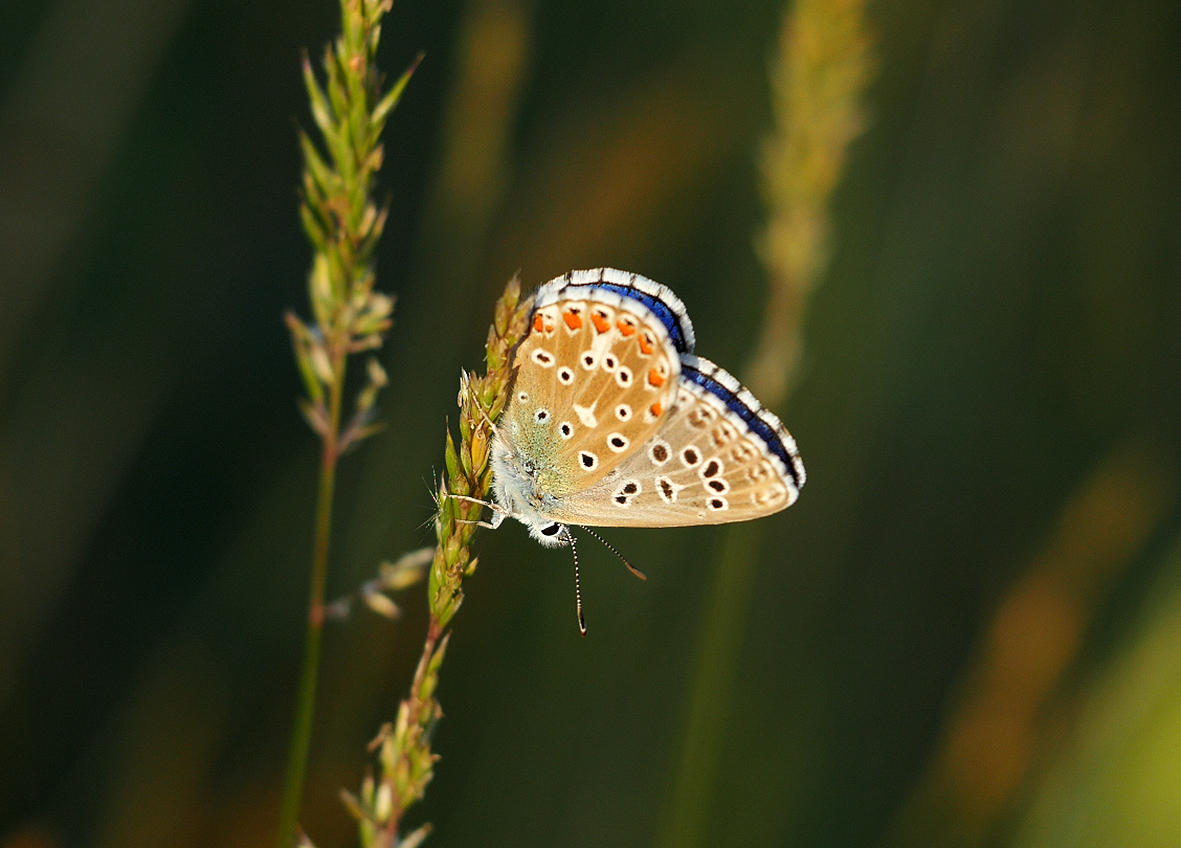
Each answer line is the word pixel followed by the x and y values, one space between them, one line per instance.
pixel 614 422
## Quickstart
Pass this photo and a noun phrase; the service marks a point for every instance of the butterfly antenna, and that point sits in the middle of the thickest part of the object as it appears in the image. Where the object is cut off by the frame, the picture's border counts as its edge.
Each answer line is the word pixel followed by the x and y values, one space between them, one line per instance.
pixel 577 584
pixel 609 547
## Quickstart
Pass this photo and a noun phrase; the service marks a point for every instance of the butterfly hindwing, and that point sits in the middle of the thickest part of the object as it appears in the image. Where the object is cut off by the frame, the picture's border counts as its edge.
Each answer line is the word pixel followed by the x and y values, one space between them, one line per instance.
pixel 717 457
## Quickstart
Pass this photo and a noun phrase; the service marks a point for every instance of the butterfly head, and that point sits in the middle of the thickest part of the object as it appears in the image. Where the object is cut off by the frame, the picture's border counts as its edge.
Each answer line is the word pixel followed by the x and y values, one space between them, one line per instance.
pixel 529 474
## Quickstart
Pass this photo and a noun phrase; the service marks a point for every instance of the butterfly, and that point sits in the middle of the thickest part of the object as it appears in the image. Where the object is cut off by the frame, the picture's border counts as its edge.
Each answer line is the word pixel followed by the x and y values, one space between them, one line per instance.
pixel 612 421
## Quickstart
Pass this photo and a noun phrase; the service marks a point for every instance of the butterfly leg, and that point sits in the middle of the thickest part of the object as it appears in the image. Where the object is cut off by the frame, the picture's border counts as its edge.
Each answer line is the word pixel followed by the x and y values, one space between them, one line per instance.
pixel 499 513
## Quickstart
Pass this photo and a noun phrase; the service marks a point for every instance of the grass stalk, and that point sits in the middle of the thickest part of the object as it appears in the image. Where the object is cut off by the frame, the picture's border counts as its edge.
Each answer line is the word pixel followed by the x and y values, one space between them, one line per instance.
pixel 343 224
pixel 301 734
pixel 404 755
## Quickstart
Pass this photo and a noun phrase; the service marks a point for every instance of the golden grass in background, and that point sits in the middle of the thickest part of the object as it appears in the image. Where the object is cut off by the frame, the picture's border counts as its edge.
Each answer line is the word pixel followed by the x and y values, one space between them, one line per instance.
pixel 1114 777
pixel 1016 698
pixel 820 76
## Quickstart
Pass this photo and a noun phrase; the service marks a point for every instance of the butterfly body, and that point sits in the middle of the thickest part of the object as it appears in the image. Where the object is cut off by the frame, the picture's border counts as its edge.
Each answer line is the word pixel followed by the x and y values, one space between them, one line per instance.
pixel 613 421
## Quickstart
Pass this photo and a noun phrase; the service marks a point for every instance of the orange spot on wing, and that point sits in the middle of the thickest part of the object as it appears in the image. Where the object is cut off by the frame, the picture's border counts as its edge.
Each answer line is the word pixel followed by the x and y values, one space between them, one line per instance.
pixel 655 379
pixel 626 327
pixel 600 323
pixel 573 321
pixel 538 324
pixel 645 345
pixel 655 409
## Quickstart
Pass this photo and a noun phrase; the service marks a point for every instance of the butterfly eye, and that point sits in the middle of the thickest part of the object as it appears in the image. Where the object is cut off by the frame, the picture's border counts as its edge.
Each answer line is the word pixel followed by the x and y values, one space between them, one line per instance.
pixel 551 530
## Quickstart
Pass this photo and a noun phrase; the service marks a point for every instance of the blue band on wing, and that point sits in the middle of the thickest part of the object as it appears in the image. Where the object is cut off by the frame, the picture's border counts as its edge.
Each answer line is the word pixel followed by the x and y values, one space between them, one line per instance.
pixel 751 417
pixel 670 319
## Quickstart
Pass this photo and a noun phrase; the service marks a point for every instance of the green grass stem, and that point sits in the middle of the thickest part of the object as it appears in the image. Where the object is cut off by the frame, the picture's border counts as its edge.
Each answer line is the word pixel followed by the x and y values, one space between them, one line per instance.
pixel 301 734
pixel 343 224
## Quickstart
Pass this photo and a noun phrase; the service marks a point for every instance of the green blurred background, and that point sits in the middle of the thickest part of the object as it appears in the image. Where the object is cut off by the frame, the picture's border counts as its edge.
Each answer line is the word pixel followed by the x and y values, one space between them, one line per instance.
pixel 967 631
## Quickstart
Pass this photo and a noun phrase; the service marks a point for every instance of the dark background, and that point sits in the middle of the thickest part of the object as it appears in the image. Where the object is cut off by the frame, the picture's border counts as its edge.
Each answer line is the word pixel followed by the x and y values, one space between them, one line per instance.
pixel 965 633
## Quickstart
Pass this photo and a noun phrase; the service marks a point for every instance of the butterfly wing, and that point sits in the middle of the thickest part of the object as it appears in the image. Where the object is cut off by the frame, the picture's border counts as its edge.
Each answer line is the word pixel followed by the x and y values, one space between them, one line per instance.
pixel 718 456
pixel 614 422
pixel 659 300
pixel 594 378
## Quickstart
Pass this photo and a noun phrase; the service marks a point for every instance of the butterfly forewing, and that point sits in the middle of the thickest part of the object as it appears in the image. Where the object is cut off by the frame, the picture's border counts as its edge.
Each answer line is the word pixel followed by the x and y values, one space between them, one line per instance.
pixel 595 376
pixel 660 301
